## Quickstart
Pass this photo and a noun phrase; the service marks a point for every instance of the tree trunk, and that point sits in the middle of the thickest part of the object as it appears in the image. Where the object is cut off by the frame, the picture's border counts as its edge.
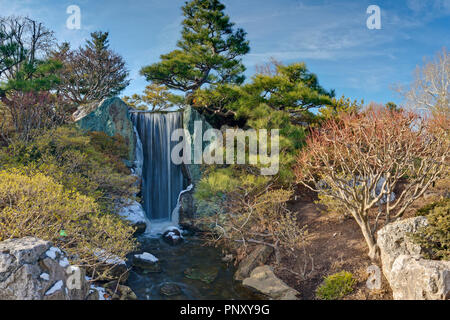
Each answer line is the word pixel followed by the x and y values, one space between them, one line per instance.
pixel 374 250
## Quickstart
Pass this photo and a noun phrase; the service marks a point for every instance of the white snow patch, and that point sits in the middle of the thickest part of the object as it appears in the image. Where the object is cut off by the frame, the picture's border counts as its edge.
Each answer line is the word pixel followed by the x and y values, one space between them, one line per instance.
pixel 173 229
pixel 134 213
pixel 101 292
pixel 45 276
pixel 51 253
pixel 147 257
pixel 64 262
pixel 56 287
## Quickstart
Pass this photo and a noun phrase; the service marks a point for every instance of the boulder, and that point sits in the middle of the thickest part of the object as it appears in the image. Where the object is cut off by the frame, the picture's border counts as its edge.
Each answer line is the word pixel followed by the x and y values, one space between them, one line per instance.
pixel 256 258
pixel 147 261
pixel 170 289
pixel 112 117
pixel 187 208
pixel 410 276
pixel 134 213
pixel 420 279
pixel 264 281
pixel 173 236
pixel 31 269
pixel 119 292
pixel 394 240
pixel 190 118
pixel 206 274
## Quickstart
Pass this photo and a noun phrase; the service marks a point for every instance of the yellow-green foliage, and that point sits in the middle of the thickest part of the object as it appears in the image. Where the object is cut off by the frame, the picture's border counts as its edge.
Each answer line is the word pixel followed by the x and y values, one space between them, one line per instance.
pixel 33 204
pixel 84 162
pixel 216 183
pixel 436 236
pixel 336 286
pixel 63 186
pixel 114 148
pixel 339 107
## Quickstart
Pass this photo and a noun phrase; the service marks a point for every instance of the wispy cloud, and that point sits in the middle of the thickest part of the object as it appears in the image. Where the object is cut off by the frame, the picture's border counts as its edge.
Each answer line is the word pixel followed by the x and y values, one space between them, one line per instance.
pixel 331 36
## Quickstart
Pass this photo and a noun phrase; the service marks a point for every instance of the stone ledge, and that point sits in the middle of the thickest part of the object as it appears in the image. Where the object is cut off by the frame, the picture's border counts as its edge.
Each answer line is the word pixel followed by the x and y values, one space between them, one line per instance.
pixel 410 276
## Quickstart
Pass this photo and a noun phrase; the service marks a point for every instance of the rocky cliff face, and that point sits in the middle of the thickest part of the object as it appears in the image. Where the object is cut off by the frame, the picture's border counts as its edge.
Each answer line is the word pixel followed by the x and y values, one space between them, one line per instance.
pixel 192 172
pixel 410 276
pixel 31 269
pixel 111 116
pixel 190 117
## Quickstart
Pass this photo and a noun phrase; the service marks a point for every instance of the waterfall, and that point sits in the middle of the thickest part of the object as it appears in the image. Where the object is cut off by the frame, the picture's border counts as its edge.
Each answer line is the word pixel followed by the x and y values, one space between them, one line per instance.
pixel 162 181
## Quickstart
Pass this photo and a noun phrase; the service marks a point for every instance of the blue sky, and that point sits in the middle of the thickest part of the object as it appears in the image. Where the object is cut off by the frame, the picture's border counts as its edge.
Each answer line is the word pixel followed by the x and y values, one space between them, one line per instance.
pixel 330 36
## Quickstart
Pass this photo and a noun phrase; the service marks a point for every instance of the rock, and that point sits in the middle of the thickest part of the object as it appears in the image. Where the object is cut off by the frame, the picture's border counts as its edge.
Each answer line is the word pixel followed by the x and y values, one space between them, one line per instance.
pixel 420 279
pixel 141 227
pixel 119 291
pixel 93 295
pixel 147 261
pixel 263 280
pixel 112 117
pixel 170 289
pixel 190 117
pixel 98 292
pixel 31 269
pixel 205 274
pixel 134 213
pixel 256 258
pixel 393 241
pixel 187 208
pixel 410 276
pixel 173 236
pixel 228 258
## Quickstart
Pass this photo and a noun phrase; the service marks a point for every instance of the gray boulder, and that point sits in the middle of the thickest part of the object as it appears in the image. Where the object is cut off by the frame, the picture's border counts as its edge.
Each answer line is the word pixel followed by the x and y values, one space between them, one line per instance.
pixel 190 117
pixel 263 280
pixel 256 258
pixel 419 279
pixel 147 261
pixel 410 276
pixel 31 269
pixel 134 213
pixel 119 292
pixel 394 241
pixel 112 117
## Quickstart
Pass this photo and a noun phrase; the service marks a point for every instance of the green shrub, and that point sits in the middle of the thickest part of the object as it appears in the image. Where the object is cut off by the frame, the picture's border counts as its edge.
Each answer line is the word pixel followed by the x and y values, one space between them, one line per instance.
pixel 64 186
pixel 435 237
pixel 217 182
pixel 336 286
pixel 87 163
pixel 35 205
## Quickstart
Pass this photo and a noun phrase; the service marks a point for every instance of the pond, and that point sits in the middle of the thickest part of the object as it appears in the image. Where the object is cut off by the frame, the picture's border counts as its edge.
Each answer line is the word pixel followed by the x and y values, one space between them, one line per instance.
pixel 189 271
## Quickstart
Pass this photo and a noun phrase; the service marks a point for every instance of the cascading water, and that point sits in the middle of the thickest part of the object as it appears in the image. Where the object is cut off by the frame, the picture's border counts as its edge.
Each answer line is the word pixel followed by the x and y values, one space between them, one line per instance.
pixel 162 181
pixel 161 191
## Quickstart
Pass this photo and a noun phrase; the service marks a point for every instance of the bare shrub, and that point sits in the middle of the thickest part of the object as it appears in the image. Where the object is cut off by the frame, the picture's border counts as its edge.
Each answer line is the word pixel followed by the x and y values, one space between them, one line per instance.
pixel 256 217
pixel 359 161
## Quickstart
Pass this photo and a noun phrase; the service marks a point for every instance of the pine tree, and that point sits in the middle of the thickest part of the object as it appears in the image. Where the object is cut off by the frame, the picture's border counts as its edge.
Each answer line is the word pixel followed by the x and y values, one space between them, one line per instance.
pixel 209 52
